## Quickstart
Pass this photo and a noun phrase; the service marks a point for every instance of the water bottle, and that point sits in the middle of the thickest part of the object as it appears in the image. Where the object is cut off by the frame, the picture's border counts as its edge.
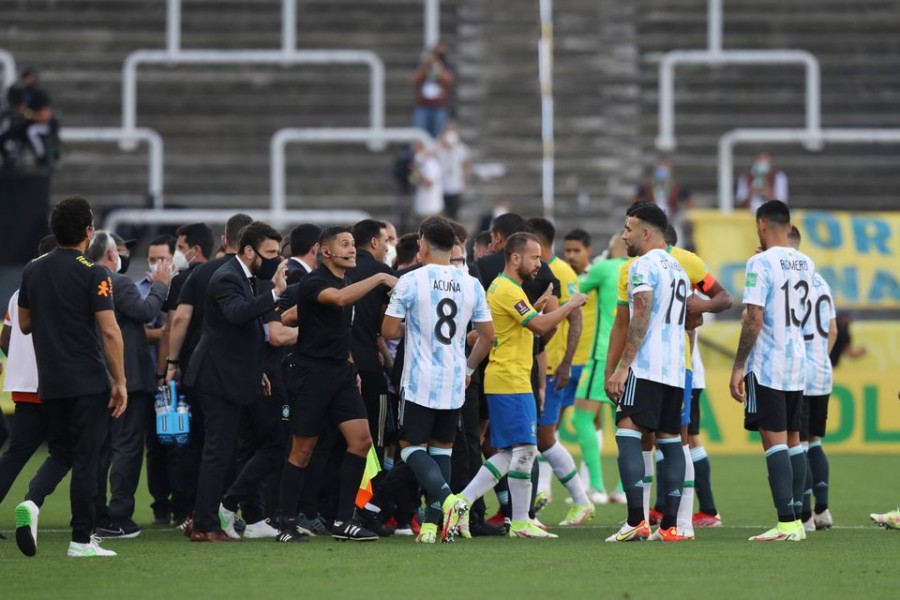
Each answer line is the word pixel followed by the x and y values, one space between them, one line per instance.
pixel 164 424
pixel 160 403
pixel 183 415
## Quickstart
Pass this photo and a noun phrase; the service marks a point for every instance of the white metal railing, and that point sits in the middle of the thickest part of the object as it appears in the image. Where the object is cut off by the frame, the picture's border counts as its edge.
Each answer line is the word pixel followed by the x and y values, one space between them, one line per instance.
pixel 282 137
pixel 279 220
pixel 9 69
pixel 545 74
pixel 714 55
pixel 833 136
pixel 141 134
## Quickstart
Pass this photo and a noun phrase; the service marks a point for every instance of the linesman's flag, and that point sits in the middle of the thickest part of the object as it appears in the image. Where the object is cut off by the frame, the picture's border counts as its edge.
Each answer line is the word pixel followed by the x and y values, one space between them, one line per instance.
pixel 365 487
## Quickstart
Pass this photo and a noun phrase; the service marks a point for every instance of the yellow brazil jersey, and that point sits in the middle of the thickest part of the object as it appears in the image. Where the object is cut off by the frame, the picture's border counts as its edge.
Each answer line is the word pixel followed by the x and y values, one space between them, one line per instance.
pixel 588 330
pixel 511 358
pixel 696 270
pixel 568 285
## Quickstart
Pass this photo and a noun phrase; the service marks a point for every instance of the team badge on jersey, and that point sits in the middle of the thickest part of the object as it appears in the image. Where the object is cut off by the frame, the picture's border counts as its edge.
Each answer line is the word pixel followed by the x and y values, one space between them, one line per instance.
pixel 751 279
pixel 522 307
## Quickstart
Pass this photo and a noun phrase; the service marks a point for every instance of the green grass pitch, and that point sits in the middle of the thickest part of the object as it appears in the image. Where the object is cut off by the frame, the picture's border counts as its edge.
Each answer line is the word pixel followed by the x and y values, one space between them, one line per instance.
pixel 854 560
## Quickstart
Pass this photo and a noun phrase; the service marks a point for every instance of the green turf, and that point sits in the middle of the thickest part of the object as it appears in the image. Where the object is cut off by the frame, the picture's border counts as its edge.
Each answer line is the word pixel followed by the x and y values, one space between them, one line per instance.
pixel 854 560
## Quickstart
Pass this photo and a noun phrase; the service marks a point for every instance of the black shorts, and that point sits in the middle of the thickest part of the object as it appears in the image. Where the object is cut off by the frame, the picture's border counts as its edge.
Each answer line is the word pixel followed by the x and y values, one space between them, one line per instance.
pixel 770 409
pixel 420 425
pixel 694 426
pixel 651 405
pixel 323 394
pixel 813 416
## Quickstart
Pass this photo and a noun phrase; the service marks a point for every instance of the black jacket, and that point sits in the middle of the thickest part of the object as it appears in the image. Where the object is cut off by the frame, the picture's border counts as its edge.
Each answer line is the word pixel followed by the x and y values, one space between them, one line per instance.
pixel 228 361
pixel 132 312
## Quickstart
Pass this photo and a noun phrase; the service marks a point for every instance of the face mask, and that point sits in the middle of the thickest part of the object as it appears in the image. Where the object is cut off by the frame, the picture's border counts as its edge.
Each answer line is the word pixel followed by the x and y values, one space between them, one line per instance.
pixel 761 168
pixel 462 265
pixel 124 261
pixel 181 263
pixel 118 268
pixel 268 266
pixel 661 173
pixel 451 137
pixel 391 255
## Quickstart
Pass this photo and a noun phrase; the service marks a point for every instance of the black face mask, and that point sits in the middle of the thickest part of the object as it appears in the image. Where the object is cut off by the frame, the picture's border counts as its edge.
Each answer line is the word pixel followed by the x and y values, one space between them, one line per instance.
pixel 126 260
pixel 267 268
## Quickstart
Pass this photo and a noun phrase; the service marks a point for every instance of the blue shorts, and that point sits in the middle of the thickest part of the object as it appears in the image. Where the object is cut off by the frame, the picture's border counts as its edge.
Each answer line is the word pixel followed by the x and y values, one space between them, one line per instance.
pixel 557 401
pixel 688 397
pixel 513 419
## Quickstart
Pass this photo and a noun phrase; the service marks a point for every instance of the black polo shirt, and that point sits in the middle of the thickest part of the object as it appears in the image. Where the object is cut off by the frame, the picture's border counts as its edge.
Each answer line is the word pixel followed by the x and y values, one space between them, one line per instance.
pixel 63 290
pixel 369 312
pixel 491 265
pixel 194 293
pixel 324 329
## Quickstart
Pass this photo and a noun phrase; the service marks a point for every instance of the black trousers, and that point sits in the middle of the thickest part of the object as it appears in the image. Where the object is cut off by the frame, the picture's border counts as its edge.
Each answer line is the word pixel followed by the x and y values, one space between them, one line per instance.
pixel 185 468
pixel 29 431
pixel 127 435
pixel 265 448
pixel 76 429
pixel 160 467
pixel 375 395
pixel 221 420
pixel 466 458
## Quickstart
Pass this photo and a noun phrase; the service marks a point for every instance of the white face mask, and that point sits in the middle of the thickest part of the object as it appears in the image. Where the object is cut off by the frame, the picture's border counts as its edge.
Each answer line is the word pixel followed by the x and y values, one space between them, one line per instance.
pixel 118 263
pixel 451 137
pixel 180 261
pixel 391 255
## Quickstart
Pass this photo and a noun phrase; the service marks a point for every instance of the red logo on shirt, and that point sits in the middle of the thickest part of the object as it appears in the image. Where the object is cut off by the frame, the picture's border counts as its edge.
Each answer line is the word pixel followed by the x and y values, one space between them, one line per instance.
pixel 522 307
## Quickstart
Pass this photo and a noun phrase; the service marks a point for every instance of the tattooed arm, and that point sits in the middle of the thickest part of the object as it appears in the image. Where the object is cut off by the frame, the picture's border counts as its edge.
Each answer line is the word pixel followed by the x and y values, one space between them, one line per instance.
pixel 751 323
pixel 637 331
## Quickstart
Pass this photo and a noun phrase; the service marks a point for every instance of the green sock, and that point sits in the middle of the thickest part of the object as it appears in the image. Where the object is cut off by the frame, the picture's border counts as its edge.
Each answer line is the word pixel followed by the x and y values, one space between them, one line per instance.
pixel 590 452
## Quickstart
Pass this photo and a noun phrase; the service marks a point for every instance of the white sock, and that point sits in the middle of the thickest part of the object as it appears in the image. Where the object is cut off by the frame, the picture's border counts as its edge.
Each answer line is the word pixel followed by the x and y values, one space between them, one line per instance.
pixel 648 481
pixel 584 474
pixel 685 521
pixel 487 476
pixel 600 441
pixel 520 481
pixel 564 467
pixel 545 477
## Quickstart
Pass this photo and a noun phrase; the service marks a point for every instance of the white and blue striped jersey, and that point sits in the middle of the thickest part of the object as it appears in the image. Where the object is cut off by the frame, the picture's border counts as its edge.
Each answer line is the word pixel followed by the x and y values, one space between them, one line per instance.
pixel 438 302
pixel 661 357
pixel 698 371
pixel 818 364
pixel 780 280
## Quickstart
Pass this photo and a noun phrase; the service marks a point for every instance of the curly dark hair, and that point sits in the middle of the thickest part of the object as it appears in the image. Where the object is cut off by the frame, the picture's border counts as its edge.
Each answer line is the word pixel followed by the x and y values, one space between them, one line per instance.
pixel 70 220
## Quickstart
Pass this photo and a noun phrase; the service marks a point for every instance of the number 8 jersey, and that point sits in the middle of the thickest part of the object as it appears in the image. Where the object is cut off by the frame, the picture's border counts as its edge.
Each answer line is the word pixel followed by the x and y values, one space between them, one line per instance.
pixel 661 357
pixel 780 280
pixel 438 302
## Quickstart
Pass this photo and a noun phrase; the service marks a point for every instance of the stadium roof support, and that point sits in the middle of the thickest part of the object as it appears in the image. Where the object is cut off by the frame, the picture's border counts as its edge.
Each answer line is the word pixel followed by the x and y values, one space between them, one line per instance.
pixel 784 136
pixel 714 55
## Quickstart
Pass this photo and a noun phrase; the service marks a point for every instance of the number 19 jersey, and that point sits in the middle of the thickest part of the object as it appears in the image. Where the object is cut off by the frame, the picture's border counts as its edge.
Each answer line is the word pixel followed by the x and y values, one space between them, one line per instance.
pixel 661 357
pixel 780 280
pixel 438 302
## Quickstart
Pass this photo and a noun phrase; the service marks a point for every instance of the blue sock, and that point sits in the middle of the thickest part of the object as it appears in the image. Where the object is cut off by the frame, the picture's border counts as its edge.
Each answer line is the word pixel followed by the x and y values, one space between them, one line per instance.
pixel 780 481
pixel 631 472
pixel 672 480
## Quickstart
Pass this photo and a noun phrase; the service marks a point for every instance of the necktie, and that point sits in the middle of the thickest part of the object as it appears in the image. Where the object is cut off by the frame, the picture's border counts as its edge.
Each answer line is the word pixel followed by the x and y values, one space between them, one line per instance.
pixel 253 285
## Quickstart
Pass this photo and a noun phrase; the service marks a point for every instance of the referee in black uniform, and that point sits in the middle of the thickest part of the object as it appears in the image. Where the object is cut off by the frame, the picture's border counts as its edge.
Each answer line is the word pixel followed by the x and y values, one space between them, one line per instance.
pixel 324 388
pixel 64 302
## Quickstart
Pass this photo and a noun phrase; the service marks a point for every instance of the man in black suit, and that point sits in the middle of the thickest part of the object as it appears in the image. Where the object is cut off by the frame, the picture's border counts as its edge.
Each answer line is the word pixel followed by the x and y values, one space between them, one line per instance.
pixel 226 371
pixel 122 458
pixel 304 248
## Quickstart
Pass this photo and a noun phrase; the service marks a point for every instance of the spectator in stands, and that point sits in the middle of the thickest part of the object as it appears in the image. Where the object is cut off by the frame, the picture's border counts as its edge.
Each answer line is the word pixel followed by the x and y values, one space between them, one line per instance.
pixel 426 174
pixel 433 83
pixel 31 123
pixel 456 169
pixel 663 190
pixel 761 183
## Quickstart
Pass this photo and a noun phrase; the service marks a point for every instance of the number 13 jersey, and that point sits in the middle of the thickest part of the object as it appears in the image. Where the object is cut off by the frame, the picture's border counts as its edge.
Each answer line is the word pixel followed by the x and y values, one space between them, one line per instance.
pixel 438 302
pixel 661 356
pixel 780 280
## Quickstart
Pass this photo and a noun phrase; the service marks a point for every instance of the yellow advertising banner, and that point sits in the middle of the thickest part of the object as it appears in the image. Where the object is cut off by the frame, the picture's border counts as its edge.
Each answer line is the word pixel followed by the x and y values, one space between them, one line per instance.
pixel 857 253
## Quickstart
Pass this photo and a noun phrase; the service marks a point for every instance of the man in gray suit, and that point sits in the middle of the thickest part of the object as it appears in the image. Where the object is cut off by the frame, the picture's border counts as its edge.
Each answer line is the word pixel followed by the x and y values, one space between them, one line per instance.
pixel 126 444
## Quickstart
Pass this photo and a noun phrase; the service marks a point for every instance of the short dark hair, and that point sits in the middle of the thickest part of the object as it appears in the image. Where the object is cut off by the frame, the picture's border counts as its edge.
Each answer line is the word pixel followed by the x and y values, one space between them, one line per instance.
pixel 462 234
pixel 303 237
pixel 671 236
pixel 197 234
pixel 516 243
pixel 794 235
pixel 407 247
pixel 256 233
pixel 510 224
pixel 165 240
pixel 234 226
pixel 439 234
pixel 365 230
pixel 69 220
pixel 47 243
pixel 649 213
pixel 774 211
pixel 329 233
pixel 483 239
pixel 543 229
pixel 579 235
